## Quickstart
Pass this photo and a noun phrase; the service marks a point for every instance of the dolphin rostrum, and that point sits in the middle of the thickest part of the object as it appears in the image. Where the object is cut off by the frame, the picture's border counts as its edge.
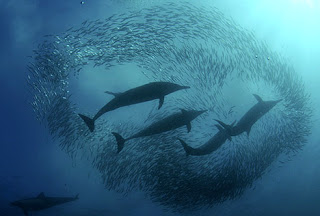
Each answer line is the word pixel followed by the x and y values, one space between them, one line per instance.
pixel 171 122
pixel 147 92
pixel 41 202
pixel 253 115
pixel 211 145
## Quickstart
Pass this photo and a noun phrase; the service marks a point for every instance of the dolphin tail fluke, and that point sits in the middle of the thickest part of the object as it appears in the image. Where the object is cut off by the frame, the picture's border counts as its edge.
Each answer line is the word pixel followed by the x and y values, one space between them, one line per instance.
pixel 228 128
pixel 112 93
pixel 120 141
pixel 224 131
pixel 89 122
pixel 187 148
pixel 224 125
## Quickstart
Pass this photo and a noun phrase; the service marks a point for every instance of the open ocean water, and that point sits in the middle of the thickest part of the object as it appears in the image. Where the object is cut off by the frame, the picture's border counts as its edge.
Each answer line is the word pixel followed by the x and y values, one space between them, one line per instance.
pixel 58 58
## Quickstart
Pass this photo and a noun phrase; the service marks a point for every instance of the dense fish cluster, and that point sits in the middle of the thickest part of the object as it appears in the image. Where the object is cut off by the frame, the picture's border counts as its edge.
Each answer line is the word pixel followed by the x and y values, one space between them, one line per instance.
pixel 185 44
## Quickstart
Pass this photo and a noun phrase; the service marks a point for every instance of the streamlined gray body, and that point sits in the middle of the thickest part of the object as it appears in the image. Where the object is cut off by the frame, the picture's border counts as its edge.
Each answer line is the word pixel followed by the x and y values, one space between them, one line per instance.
pixel 251 117
pixel 212 145
pixel 171 122
pixel 147 92
pixel 41 202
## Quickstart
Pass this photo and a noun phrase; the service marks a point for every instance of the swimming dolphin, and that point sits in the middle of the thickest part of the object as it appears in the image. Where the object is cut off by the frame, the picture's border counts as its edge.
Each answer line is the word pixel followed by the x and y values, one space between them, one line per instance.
pixel 253 115
pixel 211 145
pixel 41 202
pixel 171 122
pixel 147 92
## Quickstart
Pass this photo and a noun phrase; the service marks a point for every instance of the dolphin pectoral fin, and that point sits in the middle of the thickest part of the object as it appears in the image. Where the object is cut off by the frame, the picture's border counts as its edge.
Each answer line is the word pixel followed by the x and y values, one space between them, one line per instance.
pixel 189 127
pixel 258 98
pixel 161 102
pixel 112 93
pixel 120 141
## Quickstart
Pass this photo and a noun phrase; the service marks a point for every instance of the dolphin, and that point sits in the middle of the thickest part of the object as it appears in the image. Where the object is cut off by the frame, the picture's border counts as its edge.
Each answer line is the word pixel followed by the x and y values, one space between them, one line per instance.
pixel 171 122
pixel 41 202
pixel 211 145
pixel 147 92
pixel 251 117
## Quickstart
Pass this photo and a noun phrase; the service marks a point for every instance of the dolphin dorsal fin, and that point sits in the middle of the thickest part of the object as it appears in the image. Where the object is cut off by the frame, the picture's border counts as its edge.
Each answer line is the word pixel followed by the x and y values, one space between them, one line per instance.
pixel 112 93
pixel 41 195
pixel 183 111
pixel 258 98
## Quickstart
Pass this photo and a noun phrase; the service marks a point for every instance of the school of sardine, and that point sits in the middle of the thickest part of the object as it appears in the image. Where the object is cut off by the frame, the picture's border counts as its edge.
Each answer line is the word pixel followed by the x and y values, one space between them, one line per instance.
pixel 179 43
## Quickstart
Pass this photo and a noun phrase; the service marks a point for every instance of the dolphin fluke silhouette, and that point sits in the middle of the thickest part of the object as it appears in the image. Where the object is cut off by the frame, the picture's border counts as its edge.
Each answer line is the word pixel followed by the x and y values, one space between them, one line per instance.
pixel 89 122
pixel 223 131
pixel 188 149
pixel 228 128
pixel 112 93
pixel 120 141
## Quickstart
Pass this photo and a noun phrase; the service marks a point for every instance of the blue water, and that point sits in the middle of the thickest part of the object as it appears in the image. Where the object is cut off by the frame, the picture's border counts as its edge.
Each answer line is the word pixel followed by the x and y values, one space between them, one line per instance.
pixel 31 162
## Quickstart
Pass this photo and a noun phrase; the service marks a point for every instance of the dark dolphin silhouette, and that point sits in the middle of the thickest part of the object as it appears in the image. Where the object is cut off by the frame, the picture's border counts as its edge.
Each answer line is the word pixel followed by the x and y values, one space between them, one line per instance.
pixel 147 92
pixel 251 117
pixel 41 202
pixel 211 145
pixel 171 122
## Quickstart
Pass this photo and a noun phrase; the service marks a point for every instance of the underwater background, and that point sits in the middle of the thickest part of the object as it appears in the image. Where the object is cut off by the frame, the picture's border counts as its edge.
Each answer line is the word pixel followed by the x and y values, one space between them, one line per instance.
pixel 58 58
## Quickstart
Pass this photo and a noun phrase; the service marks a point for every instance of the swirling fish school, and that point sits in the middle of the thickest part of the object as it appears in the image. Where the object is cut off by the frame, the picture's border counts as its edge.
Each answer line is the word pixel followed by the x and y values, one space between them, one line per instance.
pixel 179 43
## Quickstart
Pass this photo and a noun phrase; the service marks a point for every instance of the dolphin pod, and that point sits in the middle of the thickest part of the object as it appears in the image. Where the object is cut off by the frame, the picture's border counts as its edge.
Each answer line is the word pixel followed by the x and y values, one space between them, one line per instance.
pixel 144 93
pixel 157 90
pixel 244 125
pixel 41 202
pixel 171 122
pixel 201 47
